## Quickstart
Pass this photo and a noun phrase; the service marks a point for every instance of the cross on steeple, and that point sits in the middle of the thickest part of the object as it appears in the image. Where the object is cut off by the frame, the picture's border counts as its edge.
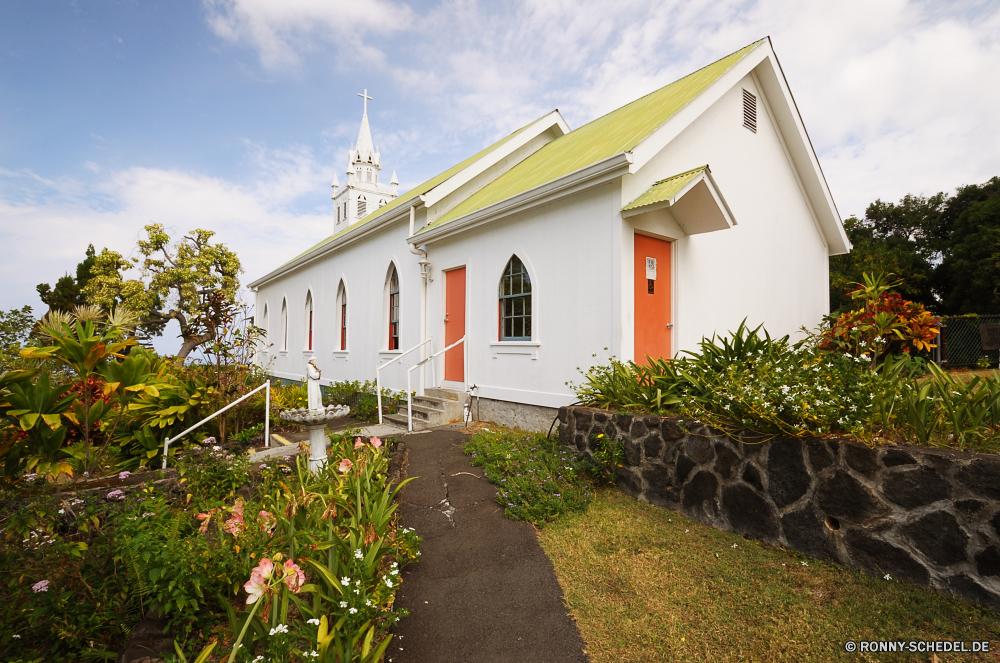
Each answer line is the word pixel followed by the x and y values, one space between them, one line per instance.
pixel 365 96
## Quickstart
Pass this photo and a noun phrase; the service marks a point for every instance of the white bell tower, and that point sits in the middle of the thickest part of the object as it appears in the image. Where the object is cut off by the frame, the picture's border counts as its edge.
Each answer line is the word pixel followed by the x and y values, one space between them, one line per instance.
pixel 363 193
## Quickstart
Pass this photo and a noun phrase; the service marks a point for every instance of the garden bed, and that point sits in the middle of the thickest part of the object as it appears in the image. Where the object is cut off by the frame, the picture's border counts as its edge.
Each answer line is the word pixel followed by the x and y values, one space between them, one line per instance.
pixel 91 563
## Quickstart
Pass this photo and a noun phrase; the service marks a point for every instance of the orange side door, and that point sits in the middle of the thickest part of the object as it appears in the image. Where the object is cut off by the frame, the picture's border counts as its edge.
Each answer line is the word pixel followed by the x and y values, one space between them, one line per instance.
pixel 652 298
pixel 454 324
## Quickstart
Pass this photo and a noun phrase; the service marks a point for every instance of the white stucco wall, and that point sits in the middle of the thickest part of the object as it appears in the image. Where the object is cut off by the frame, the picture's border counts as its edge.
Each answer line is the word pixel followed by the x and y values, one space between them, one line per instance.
pixel 771 268
pixel 568 249
pixel 364 268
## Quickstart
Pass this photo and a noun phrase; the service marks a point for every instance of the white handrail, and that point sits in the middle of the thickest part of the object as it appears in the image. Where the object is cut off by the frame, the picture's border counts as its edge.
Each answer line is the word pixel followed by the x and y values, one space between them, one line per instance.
pixel 379 367
pixel 267 420
pixel 409 392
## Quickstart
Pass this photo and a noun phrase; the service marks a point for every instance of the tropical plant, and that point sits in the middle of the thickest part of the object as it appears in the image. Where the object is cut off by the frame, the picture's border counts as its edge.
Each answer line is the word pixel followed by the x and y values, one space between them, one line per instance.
pixel 84 342
pixel 884 325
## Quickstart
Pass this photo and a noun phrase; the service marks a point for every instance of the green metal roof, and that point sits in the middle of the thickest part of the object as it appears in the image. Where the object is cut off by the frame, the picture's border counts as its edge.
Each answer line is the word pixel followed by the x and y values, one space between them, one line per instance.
pixel 665 189
pixel 618 131
pixel 418 190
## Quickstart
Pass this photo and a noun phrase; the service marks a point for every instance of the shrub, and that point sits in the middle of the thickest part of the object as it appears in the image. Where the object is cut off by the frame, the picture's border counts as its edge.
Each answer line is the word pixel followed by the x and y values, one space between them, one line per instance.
pixel 536 479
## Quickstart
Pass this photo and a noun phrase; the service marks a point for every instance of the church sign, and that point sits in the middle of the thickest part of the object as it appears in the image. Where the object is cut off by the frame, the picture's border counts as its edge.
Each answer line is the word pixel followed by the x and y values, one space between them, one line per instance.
pixel 990 335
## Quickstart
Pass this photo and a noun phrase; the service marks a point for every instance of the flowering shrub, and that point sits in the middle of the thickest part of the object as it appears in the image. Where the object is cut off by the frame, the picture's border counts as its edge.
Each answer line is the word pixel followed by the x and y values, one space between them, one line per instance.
pixel 536 479
pixel 884 325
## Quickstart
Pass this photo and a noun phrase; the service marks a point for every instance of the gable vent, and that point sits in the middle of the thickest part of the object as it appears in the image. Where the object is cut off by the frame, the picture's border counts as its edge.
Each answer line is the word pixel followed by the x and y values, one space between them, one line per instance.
pixel 750 111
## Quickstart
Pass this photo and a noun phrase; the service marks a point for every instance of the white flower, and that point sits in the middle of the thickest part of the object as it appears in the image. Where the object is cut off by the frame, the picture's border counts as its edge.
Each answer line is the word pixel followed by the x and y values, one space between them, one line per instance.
pixel 388 583
pixel 358 554
pixel 368 603
pixel 887 576
pixel 343 604
pixel 62 511
pixel 734 545
pixel 314 622
pixel 345 581
pixel 314 654
pixel 257 660
pixel 394 565
pixel 16 636
pixel 353 611
pixel 280 628
pixel 803 564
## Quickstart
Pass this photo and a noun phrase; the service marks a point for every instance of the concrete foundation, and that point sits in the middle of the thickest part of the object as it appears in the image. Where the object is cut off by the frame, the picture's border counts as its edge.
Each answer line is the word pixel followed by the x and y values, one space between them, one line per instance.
pixel 516 415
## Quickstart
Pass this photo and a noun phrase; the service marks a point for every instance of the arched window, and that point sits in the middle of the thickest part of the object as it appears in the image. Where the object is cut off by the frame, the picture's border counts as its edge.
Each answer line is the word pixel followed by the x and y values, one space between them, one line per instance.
pixel 515 302
pixel 284 325
pixel 362 207
pixel 309 321
pixel 342 314
pixel 265 326
pixel 393 309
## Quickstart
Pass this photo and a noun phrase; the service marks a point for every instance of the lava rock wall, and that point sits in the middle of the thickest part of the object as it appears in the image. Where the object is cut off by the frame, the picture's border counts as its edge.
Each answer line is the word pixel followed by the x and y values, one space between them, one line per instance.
pixel 926 516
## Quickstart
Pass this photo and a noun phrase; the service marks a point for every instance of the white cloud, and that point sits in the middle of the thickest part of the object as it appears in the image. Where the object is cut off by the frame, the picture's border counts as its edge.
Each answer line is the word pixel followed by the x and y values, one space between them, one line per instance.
pixel 280 31
pixel 899 96
pixel 265 222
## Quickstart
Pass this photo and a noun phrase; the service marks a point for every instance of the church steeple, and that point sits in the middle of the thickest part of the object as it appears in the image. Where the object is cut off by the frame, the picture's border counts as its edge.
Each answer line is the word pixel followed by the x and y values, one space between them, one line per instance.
pixel 363 192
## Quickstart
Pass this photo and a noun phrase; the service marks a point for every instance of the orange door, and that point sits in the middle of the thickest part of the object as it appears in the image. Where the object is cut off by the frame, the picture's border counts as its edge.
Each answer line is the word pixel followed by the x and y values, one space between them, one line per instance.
pixel 652 298
pixel 454 324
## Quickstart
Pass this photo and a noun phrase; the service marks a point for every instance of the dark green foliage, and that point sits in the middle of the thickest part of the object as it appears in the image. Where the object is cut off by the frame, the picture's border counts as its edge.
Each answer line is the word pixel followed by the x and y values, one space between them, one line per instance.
pixel 362 398
pixel 537 480
pixel 946 249
pixel 968 280
pixel 68 291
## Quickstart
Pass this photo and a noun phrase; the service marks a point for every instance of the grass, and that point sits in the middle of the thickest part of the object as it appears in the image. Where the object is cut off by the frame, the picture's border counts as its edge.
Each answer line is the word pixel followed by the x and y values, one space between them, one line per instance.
pixel 647 584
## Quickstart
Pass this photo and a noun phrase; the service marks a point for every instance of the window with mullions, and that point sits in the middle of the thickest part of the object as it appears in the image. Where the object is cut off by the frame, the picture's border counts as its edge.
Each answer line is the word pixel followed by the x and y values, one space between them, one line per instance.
pixel 394 310
pixel 515 302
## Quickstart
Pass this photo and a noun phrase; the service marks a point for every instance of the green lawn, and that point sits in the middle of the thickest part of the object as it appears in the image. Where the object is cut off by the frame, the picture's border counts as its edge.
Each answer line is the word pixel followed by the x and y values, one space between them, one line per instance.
pixel 647 584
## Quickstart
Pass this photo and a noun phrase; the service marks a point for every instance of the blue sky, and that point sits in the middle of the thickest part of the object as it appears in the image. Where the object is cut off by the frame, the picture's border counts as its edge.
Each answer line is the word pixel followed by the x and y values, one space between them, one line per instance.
pixel 234 115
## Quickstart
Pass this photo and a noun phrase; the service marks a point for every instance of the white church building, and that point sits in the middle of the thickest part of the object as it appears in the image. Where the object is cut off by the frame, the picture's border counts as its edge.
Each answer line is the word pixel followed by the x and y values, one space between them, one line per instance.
pixel 667 220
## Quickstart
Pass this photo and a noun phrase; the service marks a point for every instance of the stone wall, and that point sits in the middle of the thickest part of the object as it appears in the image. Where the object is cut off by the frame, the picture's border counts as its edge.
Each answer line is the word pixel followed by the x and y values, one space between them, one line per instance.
pixel 926 516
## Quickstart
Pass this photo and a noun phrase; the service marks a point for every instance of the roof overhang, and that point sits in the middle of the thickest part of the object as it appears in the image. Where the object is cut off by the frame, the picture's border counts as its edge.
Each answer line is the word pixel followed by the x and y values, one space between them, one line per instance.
pixel 693 198
pixel 585 178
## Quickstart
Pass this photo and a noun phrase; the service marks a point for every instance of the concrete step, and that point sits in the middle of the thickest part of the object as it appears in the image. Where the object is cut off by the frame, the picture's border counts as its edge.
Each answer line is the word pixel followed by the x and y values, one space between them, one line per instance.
pixel 430 401
pixel 422 412
pixel 400 420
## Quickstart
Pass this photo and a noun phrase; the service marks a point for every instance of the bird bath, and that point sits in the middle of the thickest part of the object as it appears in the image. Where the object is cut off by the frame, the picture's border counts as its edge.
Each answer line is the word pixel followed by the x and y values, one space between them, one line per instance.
pixel 315 418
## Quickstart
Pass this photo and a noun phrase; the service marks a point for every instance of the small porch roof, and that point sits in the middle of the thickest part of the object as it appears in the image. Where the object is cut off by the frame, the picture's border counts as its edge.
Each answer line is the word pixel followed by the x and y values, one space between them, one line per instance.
pixel 694 200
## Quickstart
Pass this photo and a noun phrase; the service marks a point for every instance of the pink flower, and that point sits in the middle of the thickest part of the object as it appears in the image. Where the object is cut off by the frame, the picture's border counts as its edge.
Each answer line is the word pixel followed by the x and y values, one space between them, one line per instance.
pixel 235 523
pixel 376 442
pixel 259 577
pixel 205 518
pixel 358 443
pixel 41 586
pixel 294 577
pixel 345 465
pixel 123 475
pixel 267 522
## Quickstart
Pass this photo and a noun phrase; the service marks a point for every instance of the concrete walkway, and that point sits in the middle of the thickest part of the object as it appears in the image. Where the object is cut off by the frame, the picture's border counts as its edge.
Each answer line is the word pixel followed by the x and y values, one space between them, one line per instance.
pixel 483 590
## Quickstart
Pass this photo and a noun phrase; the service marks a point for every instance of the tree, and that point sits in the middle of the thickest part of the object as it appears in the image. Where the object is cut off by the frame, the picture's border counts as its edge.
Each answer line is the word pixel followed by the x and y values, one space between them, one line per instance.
pixel 15 325
pixel 900 239
pixel 191 281
pixel 68 291
pixel 968 279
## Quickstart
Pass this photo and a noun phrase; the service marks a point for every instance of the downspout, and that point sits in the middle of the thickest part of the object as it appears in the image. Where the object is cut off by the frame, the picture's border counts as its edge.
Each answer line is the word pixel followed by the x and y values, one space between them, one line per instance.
pixel 425 273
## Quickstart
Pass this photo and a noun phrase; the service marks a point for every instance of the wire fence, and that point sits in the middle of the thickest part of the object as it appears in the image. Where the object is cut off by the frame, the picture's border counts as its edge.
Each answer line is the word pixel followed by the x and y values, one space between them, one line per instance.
pixel 961 341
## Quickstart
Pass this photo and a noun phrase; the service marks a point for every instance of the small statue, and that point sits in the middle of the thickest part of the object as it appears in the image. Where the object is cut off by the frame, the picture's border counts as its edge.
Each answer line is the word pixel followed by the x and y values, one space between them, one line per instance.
pixel 313 389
